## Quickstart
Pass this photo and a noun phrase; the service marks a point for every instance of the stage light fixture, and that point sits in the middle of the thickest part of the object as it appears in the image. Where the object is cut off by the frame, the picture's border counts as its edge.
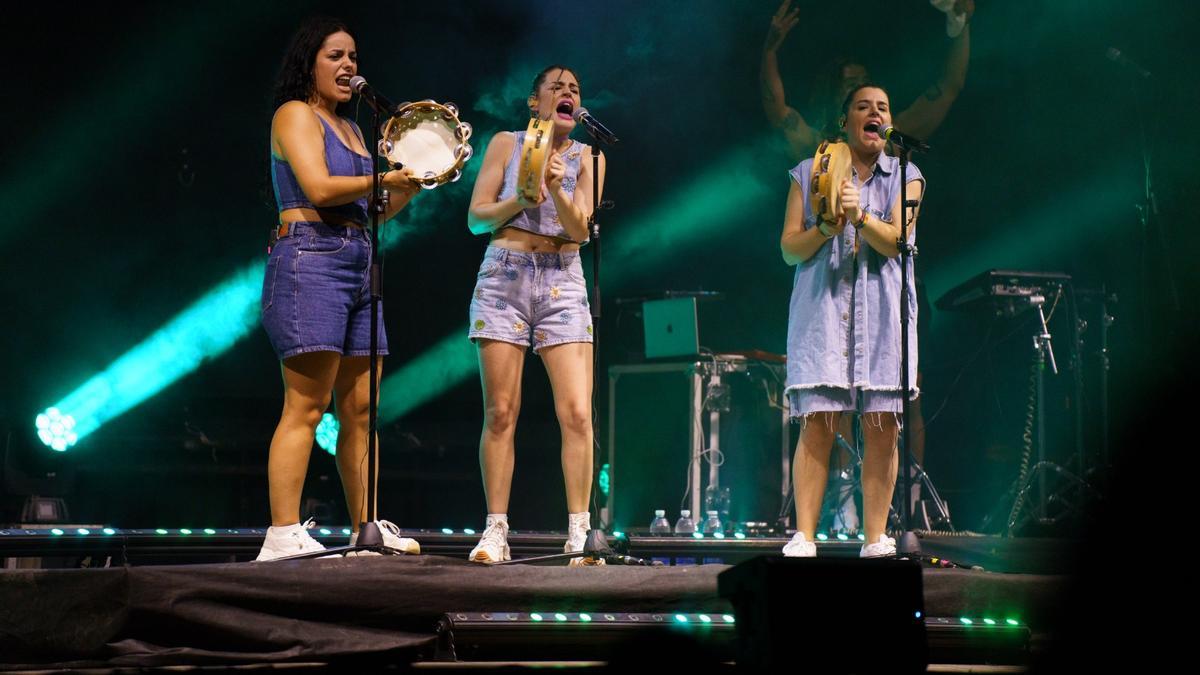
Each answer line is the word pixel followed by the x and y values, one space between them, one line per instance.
pixel 56 429
pixel 327 433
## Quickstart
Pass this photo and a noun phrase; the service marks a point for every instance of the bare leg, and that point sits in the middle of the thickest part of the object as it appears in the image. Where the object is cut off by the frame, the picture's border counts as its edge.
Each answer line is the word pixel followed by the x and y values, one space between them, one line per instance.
pixel 307 382
pixel 352 388
pixel 879 471
pixel 570 369
pixel 810 468
pixel 500 366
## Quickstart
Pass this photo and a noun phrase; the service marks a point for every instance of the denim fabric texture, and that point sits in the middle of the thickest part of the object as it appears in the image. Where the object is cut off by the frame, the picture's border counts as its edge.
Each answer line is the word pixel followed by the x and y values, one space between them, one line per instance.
pixel 844 312
pixel 543 219
pixel 316 292
pixel 537 299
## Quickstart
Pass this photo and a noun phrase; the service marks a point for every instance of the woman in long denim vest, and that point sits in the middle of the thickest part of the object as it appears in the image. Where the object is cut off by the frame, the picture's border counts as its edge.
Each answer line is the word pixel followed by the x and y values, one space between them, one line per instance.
pixel 316 299
pixel 844 321
pixel 531 292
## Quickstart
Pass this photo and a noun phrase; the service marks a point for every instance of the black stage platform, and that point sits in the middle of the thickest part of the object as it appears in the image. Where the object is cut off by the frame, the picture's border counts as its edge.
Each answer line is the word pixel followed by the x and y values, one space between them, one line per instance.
pixel 387 609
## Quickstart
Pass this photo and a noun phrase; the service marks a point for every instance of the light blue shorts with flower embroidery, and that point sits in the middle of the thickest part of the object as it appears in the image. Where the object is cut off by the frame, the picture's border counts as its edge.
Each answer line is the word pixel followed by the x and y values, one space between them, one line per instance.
pixel 537 299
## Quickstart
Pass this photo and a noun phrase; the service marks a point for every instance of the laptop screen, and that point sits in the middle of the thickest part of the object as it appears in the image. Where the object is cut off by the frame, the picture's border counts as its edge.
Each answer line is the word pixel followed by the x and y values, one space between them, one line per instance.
pixel 670 327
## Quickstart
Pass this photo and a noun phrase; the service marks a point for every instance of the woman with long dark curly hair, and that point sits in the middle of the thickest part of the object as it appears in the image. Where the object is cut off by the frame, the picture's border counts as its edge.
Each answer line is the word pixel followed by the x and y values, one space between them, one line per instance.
pixel 316 293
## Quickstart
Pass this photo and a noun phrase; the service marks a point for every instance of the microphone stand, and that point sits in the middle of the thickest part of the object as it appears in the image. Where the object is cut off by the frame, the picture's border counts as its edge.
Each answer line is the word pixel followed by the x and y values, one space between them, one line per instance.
pixel 908 543
pixel 596 302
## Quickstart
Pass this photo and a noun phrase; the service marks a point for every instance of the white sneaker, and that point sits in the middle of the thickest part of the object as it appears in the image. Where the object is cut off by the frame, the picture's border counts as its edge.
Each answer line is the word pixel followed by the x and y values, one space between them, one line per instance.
pixel 799 547
pixel 493 545
pixel 391 539
pixel 577 533
pixel 288 540
pixel 885 547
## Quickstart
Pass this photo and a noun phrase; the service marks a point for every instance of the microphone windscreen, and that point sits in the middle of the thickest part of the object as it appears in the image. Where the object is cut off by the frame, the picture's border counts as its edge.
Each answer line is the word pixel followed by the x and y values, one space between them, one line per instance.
pixel 358 82
pixel 579 113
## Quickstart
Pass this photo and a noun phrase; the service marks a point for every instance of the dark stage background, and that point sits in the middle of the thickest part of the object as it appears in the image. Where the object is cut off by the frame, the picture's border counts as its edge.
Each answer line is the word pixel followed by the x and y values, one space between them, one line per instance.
pixel 133 180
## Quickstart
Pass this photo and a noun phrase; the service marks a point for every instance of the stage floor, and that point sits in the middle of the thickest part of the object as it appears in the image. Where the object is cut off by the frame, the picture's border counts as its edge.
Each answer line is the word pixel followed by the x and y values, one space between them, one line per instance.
pixel 378 609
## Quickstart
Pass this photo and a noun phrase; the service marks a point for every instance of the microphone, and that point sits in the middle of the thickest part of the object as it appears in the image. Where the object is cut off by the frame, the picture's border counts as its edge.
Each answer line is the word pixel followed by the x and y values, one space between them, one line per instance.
pixel 890 133
pixel 594 127
pixel 1116 56
pixel 373 98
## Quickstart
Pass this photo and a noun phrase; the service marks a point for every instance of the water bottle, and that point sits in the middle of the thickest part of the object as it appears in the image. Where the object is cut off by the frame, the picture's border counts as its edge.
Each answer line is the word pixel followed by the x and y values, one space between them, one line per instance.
pixel 712 523
pixel 685 524
pixel 660 526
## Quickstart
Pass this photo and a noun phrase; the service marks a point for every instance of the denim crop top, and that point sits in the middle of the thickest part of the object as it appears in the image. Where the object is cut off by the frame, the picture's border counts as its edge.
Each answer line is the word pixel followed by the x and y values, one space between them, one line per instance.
pixel 340 160
pixel 543 219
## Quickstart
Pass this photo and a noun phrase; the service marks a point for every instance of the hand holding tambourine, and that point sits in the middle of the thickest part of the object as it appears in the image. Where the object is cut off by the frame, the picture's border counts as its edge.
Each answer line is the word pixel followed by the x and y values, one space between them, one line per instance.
pixel 556 170
pixel 849 202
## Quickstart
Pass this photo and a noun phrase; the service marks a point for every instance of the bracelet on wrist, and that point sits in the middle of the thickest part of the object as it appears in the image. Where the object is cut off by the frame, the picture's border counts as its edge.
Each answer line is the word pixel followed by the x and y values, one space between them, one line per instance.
pixel 862 220
pixel 825 232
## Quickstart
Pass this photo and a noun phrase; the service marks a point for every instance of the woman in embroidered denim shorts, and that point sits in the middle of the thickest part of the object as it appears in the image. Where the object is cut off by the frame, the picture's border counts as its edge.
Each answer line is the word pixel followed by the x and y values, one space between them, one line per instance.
pixel 531 292
pixel 315 299
pixel 844 321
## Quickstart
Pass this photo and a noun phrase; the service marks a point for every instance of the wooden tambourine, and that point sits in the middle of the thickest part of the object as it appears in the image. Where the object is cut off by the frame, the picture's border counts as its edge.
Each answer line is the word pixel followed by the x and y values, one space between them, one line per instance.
pixel 428 138
pixel 535 155
pixel 831 165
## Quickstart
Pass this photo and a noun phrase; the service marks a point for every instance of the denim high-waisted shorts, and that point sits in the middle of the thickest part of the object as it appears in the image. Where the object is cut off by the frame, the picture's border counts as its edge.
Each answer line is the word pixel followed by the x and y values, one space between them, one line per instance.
pixel 537 299
pixel 316 294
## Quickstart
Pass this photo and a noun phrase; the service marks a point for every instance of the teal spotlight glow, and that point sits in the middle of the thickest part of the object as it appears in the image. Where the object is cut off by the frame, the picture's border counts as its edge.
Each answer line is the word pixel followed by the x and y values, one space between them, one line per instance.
pixel 618 535
pixel 698 535
pixel 184 530
pixel 718 535
pixel 327 433
pixel 325 530
pixel 1012 622
pixel 842 535
pixel 728 618
pixel 209 530
pixel 109 530
pixel 680 618
pixel 560 617
pixel 534 616
pixel 965 621
pixel 430 374
pixel 56 429
pixel 605 479
pixel 201 331
pixel 83 530
pixel 346 531
pixel 446 530
pixel 739 535
pixel 862 537
pixel 821 536
pixel 704 618
pixel 467 530
pixel 990 622
pixel 56 532
pixel 585 617
pixel 160 531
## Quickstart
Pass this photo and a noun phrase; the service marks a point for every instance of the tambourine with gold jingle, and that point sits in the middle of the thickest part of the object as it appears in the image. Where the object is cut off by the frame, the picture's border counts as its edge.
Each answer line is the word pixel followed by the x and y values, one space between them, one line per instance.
pixel 831 165
pixel 429 139
pixel 535 155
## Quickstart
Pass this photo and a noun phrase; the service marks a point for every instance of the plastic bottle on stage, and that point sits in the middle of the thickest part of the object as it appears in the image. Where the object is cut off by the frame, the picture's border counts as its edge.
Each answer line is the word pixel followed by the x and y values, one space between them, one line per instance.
pixel 712 523
pixel 659 525
pixel 717 499
pixel 685 524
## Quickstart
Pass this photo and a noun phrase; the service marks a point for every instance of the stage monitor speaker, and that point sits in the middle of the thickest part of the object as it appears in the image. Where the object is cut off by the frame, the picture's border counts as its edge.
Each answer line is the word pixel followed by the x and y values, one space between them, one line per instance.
pixel 793 613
